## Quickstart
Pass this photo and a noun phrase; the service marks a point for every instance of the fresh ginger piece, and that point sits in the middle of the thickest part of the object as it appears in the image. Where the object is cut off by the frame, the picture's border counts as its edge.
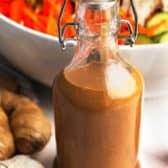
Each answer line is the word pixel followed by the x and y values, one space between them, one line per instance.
pixel 30 126
pixel 6 137
pixel 7 101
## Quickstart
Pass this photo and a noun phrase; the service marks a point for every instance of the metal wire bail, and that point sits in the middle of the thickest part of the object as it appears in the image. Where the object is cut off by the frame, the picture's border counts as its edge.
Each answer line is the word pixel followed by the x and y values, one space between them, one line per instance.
pixel 61 31
pixel 133 33
pixel 130 39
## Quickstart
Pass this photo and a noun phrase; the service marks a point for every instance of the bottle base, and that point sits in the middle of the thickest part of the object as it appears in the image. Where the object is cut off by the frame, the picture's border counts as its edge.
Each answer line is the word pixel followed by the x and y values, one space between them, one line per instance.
pixel 138 165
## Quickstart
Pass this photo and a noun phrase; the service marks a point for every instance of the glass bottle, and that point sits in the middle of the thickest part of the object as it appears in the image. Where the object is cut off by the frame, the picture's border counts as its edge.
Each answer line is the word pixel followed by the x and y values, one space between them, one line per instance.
pixel 98 96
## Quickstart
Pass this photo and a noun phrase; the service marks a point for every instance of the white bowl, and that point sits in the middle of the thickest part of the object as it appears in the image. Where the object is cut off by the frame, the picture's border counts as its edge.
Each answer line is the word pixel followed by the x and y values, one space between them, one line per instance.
pixel 41 57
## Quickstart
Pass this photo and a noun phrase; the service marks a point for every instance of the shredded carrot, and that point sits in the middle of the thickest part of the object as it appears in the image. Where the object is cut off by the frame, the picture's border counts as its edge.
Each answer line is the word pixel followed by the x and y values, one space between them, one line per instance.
pixel 51 25
pixel 151 30
pixel 42 18
pixel 16 10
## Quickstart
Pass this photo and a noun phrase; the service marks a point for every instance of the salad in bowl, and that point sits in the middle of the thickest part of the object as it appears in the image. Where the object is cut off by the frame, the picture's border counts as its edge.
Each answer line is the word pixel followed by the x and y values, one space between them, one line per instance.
pixel 41 15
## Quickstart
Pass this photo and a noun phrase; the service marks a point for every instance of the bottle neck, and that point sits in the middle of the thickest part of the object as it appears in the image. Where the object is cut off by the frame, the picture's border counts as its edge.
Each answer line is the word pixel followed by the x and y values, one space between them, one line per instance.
pixel 105 44
pixel 98 30
pixel 101 47
pixel 98 17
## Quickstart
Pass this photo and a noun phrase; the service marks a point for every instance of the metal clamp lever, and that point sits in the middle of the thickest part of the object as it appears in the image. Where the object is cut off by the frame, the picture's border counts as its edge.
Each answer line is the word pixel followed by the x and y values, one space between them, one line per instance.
pixel 130 39
pixel 62 31
pixel 133 34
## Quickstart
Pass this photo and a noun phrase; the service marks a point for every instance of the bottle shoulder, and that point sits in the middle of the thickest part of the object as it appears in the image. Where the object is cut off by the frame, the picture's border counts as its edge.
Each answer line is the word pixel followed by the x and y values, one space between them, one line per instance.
pixel 112 78
pixel 97 87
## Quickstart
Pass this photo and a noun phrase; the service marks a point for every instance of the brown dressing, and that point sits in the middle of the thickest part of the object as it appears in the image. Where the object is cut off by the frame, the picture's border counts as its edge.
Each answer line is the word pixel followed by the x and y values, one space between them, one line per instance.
pixel 97 114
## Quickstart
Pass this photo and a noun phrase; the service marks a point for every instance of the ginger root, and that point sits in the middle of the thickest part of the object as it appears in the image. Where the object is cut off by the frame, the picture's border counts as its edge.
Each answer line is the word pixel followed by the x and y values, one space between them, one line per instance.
pixel 29 125
pixel 6 137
